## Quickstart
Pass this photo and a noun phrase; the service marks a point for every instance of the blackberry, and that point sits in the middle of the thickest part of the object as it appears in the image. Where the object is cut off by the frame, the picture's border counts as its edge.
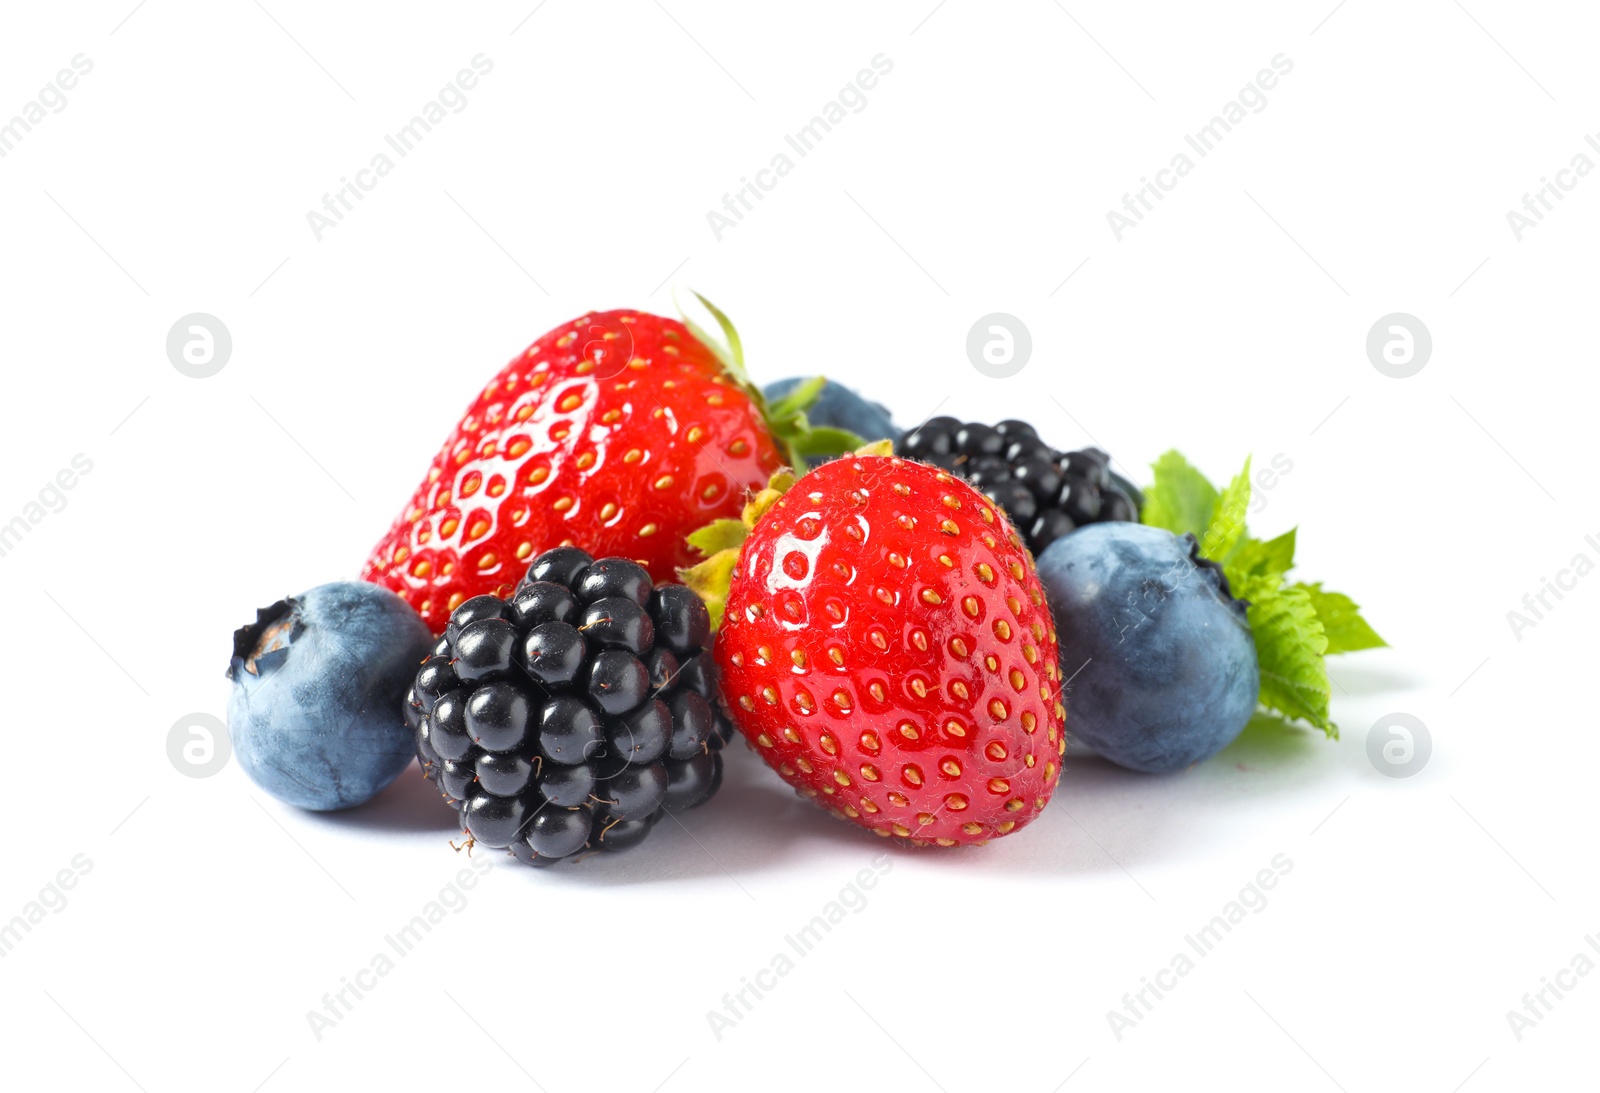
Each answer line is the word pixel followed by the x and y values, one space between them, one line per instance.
pixel 571 715
pixel 1047 493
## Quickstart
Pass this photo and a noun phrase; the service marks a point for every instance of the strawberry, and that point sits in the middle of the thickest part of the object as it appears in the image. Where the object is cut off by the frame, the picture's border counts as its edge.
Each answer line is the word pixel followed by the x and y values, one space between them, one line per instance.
pixel 619 432
pixel 886 646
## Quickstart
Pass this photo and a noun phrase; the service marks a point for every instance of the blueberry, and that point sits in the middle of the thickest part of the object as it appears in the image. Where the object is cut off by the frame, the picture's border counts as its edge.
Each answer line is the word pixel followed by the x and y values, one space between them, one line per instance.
pixel 1161 657
pixel 838 407
pixel 316 713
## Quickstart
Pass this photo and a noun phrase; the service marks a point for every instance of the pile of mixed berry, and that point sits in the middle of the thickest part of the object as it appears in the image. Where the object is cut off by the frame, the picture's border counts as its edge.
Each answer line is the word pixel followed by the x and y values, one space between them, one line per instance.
pixel 619 557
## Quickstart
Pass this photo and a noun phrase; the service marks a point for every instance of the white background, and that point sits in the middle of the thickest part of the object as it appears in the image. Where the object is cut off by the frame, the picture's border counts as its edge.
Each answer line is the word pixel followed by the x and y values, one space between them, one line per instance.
pixel 977 179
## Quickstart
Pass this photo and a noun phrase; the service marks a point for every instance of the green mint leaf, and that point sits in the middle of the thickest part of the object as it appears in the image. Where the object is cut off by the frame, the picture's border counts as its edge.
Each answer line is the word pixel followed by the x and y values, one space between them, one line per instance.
pixel 1289 647
pixel 1179 499
pixel 1295 626
pixel 1341 620
pixel 1226 530
pixel 1255 558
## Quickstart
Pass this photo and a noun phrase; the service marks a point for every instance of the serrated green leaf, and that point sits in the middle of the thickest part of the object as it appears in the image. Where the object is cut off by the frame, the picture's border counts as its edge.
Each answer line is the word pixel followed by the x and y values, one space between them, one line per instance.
pixel 728 534
pixel 1226 529
pixel 797 401
pixel 1289 647
pixel 1278 554
pixel 1255 558
pixel 1253 586
pixel 1341 621
pixel 1295 626
pixel 1180 498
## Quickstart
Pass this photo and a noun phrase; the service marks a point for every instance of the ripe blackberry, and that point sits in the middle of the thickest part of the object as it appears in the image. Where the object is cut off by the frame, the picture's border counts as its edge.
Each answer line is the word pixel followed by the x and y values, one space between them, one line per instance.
pixel 1047 493
pixel 568 717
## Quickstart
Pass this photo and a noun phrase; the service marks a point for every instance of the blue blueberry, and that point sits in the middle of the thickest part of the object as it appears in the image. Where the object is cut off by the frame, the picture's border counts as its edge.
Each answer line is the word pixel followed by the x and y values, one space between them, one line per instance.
pixel 840 408
pixel 1160 655
pixel 319 682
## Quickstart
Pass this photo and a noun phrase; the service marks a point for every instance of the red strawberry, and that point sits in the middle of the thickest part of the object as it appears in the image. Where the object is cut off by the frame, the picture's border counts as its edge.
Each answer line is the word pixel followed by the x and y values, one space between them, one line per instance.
pixel 886 646
pixel 619 432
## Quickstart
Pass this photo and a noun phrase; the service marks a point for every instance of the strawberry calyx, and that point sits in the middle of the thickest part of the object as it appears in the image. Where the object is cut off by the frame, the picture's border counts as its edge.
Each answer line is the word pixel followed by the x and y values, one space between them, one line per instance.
pixel 721 540
pixel 786 417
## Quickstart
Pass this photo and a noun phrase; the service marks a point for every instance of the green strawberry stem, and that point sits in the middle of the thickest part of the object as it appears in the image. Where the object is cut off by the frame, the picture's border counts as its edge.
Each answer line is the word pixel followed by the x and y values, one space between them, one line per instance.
pixel 721 540
pixel 786 418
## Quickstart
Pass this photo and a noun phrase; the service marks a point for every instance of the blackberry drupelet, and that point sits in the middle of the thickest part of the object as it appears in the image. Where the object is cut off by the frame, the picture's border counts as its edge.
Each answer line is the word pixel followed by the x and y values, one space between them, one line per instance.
pixel 1047 493
pixel 568 717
